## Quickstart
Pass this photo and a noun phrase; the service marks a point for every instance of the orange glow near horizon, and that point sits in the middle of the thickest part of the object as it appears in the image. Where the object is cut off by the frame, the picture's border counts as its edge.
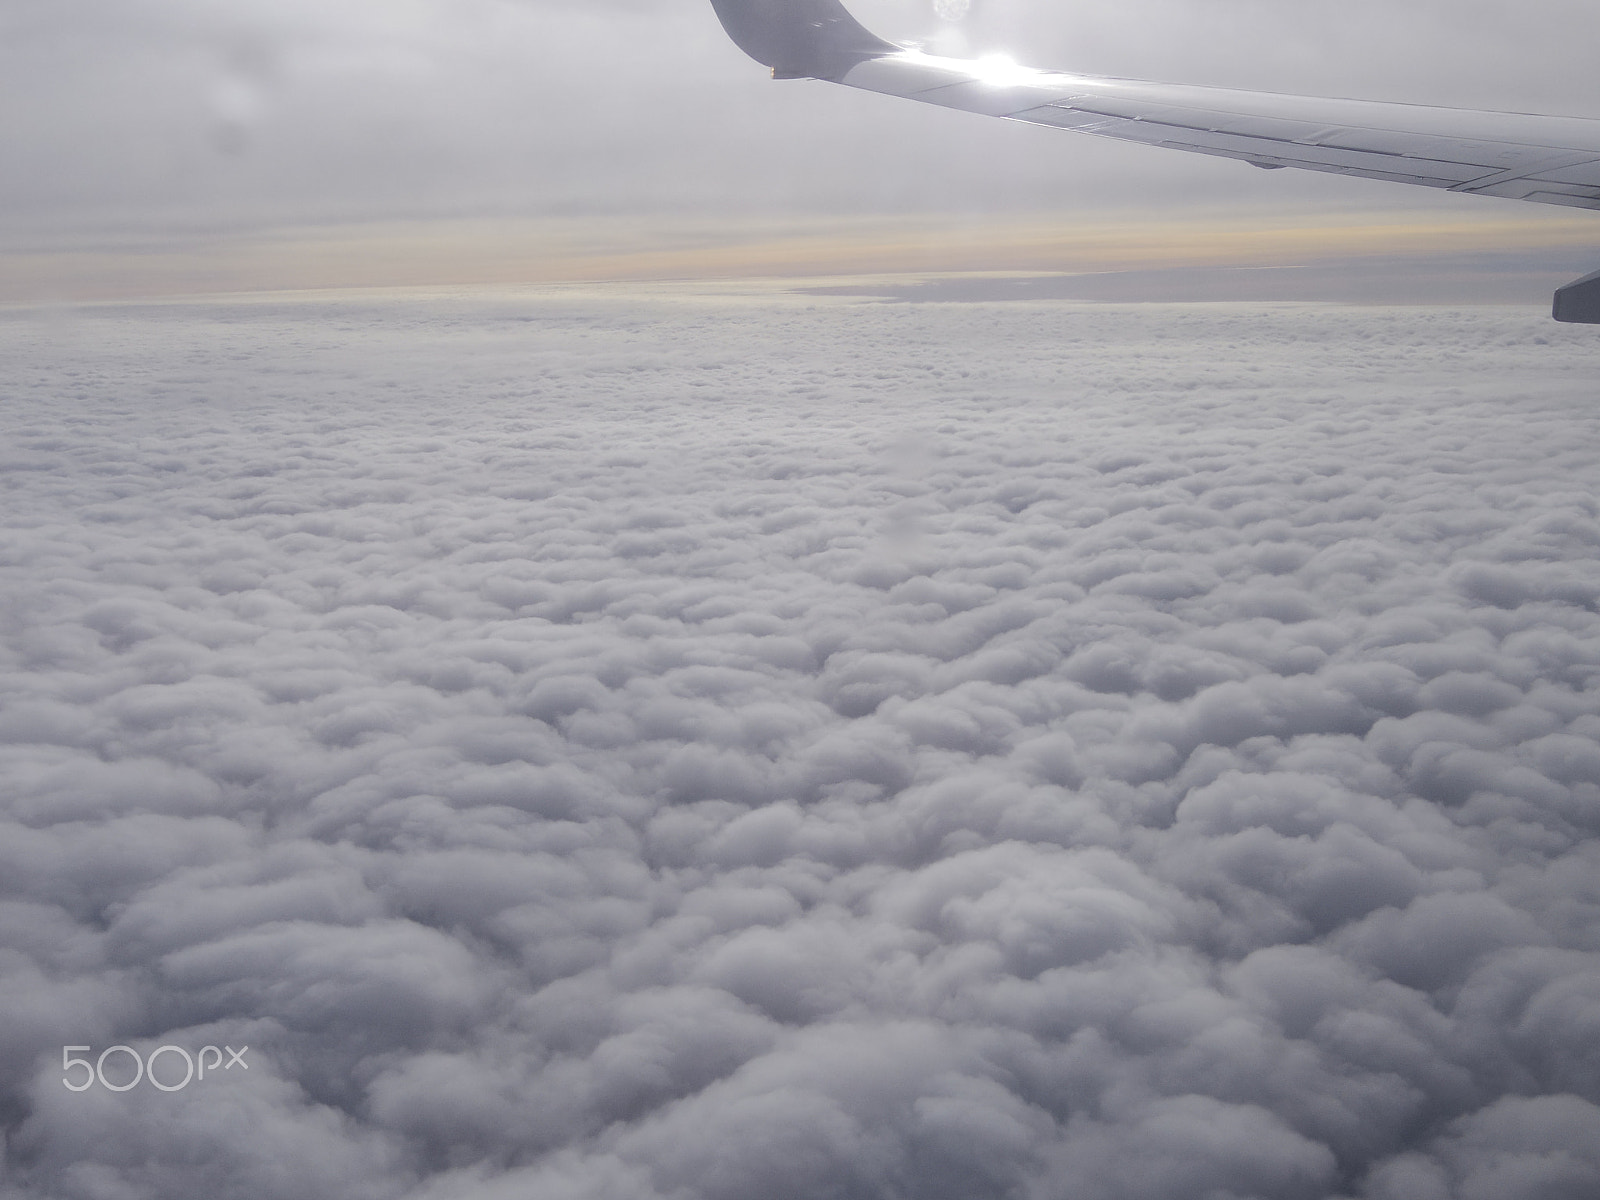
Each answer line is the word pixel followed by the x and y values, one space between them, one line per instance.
pixel 488 252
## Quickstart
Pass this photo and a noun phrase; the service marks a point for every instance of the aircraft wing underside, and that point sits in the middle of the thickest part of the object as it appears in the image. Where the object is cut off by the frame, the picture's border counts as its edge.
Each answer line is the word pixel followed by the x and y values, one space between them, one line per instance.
pixel 1518 156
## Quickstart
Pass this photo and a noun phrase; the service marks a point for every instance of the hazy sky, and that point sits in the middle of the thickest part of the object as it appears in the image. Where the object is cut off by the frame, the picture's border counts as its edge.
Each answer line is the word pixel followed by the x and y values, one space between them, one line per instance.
pixel 154 128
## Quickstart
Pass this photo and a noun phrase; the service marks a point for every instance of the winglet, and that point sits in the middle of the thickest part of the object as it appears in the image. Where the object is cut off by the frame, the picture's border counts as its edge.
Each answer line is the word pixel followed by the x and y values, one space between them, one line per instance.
pixel 814 39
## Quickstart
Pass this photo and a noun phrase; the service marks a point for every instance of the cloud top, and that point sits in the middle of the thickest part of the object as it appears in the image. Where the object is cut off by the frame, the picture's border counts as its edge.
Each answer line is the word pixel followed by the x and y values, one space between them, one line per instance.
pixel 600 746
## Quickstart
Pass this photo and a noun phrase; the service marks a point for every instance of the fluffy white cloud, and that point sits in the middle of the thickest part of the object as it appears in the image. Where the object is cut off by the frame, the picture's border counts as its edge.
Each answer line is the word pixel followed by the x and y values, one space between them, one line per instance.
pixel 609 746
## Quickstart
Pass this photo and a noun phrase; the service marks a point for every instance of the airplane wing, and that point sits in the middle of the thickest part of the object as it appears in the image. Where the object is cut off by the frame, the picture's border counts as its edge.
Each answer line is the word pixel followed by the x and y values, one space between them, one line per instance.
pixel 1519 156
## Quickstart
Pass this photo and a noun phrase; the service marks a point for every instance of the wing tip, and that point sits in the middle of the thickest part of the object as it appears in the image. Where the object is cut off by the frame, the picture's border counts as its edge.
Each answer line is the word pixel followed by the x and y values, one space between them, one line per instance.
pixel 800 39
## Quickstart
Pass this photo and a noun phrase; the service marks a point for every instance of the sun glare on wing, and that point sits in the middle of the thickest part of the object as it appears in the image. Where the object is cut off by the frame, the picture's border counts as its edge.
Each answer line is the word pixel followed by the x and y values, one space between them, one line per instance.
pixel 998 70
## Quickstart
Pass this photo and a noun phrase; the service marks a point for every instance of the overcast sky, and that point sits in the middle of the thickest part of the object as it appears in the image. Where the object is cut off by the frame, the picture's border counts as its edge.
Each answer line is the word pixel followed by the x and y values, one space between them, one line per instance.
pixel 151 129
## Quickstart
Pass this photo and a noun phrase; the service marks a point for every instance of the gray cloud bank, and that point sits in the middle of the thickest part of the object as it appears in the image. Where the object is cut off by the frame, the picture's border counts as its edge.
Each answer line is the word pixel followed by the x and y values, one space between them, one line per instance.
pixel 598 746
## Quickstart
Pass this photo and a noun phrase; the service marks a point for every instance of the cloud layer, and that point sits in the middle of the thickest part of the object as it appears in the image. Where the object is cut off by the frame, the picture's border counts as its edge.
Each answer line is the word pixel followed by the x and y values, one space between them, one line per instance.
pixel 592 745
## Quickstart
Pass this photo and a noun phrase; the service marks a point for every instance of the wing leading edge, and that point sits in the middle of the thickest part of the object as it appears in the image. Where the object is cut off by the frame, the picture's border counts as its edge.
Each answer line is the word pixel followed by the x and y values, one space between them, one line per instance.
pixel 1518 156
